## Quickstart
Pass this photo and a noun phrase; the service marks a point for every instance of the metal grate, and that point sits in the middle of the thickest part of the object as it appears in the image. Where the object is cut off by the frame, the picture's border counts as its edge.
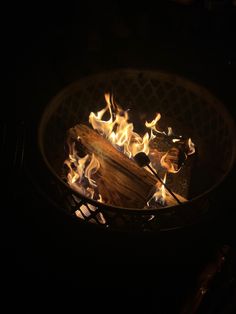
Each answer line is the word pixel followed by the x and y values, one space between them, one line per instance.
pixel 187 107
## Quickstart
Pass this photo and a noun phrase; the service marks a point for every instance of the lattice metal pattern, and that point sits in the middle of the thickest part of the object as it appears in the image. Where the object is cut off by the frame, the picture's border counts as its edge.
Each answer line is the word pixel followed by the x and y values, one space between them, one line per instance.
pixel 185 106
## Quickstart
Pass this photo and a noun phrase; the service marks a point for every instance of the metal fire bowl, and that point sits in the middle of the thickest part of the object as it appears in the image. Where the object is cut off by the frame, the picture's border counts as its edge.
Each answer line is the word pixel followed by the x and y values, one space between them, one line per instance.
pixel 189 108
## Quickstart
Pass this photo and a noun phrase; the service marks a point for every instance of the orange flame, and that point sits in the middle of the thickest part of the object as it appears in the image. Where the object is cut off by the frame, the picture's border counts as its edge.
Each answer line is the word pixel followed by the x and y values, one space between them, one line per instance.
pixel 81 168
pixel 168 164
pixel 120 132
pixel 191 147
pixel 160 194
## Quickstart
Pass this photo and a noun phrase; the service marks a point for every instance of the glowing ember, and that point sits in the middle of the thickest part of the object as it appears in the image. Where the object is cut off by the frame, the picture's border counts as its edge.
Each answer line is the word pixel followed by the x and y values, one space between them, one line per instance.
pixel 119 131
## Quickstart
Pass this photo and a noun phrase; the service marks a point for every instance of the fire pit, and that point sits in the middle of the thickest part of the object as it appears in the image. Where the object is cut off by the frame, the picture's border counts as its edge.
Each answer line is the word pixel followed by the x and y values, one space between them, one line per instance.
pixel 195 117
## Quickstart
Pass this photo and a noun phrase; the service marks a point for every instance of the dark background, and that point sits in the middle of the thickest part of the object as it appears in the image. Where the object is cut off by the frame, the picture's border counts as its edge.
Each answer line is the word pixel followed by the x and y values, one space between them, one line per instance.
pixel 55 45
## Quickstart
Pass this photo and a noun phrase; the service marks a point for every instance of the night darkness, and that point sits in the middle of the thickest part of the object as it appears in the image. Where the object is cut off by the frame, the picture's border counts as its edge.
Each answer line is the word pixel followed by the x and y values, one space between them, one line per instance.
pixel 56 45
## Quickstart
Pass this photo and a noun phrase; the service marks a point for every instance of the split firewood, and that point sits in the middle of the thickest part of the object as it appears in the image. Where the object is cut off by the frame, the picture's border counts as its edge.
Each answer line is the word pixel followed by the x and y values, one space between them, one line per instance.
pixel 120 181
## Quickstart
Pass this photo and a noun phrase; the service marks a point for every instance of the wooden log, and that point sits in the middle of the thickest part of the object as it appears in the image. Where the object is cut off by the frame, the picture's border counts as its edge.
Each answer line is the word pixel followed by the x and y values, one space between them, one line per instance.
pixel 120 181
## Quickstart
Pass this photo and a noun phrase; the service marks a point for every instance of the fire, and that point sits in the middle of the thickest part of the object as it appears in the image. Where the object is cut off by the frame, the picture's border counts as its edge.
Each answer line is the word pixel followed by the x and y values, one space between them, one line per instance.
pixel 160 195
pixel 112 122
pixel 91 169
pixel 191 147
pixel 81 171
pixel 118 130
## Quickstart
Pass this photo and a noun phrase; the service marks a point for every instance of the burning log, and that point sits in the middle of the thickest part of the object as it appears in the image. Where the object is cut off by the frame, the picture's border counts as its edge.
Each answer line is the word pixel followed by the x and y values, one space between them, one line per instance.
pixel 120 181
pixel 105 173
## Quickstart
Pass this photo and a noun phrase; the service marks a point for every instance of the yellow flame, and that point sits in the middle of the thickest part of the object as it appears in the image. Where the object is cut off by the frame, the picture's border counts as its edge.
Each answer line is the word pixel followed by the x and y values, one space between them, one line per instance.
pixel 112 122
pixel 174 140
pixel 191 147
pixel 160 194
pixel 153 124
pixel 167 164
pixel 163 189
pixel 170 131
pixel 91 169
pixel 118 130
pixel 80 168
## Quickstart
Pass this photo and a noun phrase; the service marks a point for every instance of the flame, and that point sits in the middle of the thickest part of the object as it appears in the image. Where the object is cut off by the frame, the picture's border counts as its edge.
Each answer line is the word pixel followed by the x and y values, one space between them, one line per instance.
pixel 160 195
pixel 153 123
pixel 112 122
pixel 168 164
pixel 163 189
pixel 80 169
pixel 174 140
pixel 91 169
pixel 191 147
pixel 79 165
pixel 153 126
pixel 118 130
